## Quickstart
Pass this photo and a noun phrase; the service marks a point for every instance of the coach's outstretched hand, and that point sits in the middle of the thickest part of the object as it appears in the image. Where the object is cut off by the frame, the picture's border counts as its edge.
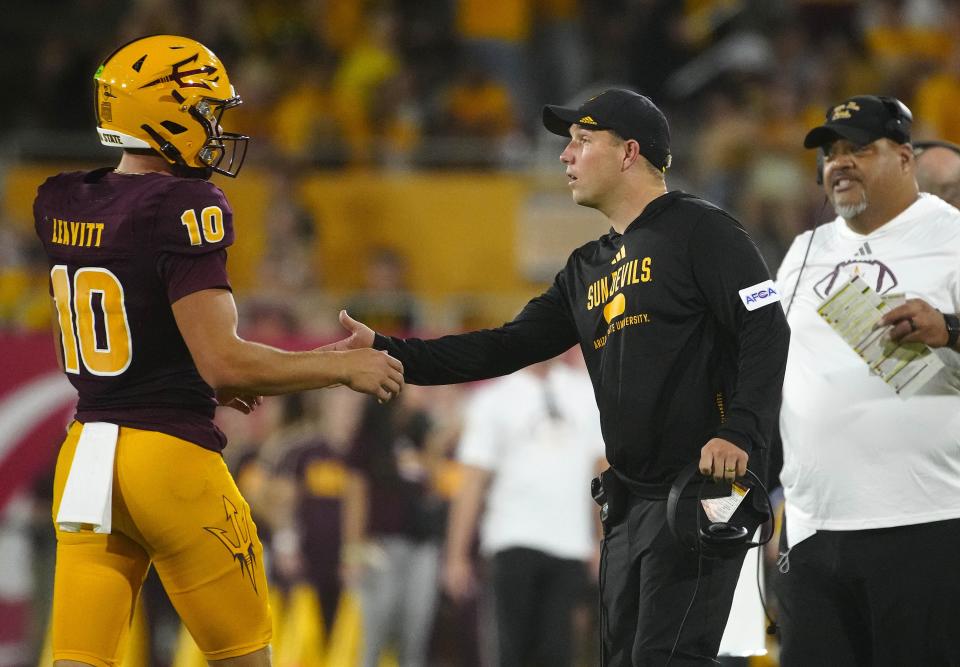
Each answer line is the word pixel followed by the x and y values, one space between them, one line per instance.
pixel 360 335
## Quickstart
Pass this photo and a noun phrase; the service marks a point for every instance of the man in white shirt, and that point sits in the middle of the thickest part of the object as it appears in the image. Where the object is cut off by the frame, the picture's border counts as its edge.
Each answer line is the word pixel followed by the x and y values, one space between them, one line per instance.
pixel 871 480
pixel 531 442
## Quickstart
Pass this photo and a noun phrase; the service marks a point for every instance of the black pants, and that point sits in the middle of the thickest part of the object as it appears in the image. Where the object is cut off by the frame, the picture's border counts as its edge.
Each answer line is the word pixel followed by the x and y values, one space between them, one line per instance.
pixel 534 598
pixel 647 581
pixel 885 598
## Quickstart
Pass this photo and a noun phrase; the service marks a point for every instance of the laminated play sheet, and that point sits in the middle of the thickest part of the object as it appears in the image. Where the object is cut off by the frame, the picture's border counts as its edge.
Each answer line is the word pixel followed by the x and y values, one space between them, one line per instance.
pixel 854 311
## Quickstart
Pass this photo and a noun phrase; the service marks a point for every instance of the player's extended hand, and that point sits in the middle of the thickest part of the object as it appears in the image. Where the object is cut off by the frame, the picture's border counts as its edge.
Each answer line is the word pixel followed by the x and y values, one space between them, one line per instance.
pixel 916 321
pixel 723 460
pixel 372 372
pixel 360 335
pixel 242 402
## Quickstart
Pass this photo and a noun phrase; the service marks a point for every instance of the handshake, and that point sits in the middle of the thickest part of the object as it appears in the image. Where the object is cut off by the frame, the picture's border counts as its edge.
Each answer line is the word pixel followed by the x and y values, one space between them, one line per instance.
pixel 242 372
pixel 362 368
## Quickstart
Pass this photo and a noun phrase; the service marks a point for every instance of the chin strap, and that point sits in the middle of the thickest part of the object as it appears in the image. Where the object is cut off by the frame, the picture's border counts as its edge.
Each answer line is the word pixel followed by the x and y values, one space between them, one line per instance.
pixel 167 149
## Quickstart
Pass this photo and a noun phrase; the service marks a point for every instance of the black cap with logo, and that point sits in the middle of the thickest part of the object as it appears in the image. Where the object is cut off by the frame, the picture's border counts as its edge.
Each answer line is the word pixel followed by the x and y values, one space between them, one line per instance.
pixel 629 114
pixel 863 119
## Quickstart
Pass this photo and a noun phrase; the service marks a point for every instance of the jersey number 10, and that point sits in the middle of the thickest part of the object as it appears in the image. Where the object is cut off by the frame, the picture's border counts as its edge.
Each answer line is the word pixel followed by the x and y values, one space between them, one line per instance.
pixel 110 355
pixel 210 224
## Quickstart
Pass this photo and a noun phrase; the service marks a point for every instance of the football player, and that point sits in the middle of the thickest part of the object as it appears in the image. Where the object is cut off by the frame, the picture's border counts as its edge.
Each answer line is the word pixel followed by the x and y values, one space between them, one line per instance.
pixel 146 330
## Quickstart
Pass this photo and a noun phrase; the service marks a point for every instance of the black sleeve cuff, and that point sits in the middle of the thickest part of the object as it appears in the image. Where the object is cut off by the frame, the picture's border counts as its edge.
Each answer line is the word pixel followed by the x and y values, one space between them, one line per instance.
pixel 739 439
pixel 381 342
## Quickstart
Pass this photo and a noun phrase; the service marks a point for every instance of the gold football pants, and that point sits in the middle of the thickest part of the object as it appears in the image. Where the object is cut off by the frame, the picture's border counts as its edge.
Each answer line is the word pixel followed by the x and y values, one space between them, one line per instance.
pixel 174 505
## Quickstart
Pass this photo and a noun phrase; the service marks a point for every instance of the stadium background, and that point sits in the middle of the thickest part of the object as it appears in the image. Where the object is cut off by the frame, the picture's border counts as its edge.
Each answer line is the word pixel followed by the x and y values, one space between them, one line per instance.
pixel 398 166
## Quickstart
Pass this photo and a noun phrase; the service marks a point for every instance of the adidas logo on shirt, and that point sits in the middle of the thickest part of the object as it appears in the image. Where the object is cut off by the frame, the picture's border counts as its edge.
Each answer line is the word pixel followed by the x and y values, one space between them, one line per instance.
pixel 620 255
pixel 864 250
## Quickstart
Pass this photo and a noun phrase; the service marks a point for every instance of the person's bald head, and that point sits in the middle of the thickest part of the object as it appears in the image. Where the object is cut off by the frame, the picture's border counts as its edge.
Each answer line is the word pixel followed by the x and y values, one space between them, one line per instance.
pixel 938 170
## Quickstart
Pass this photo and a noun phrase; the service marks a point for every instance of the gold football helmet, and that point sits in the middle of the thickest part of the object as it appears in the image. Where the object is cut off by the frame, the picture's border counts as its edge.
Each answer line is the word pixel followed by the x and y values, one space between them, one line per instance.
pixel 168 94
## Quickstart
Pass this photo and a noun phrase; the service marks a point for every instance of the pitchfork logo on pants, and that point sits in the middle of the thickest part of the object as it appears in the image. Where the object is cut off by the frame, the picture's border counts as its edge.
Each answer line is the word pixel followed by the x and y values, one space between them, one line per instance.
pixel 242 548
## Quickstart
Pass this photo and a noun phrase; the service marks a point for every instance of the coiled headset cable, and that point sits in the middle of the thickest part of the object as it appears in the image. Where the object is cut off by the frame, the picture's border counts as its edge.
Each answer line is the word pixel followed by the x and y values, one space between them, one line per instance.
pixel 772 626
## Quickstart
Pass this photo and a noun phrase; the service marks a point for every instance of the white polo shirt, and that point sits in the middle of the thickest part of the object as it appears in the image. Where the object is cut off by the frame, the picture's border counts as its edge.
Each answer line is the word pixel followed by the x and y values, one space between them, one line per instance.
pixel 857 456
pixel 539 496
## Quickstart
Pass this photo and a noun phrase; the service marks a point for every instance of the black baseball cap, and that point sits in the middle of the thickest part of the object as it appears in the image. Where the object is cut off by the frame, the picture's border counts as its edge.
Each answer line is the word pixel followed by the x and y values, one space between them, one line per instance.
pixel 629 114
pixel 863 119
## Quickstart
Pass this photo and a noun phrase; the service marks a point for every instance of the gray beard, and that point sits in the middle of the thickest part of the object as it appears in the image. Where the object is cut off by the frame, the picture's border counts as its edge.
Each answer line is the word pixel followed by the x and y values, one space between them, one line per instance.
pixel 848 211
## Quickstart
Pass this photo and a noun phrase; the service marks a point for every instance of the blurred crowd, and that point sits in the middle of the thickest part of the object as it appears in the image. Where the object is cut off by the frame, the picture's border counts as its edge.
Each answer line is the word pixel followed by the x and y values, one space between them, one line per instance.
pixel 457 84
pixel 448 84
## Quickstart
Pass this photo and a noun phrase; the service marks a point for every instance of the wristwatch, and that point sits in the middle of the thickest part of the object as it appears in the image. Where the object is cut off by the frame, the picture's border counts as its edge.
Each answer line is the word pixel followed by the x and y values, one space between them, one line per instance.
pixel 953 329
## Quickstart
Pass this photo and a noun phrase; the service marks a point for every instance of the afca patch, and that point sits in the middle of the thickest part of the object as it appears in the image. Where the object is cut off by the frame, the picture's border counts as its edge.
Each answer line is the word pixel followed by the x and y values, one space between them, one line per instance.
pixel 759 295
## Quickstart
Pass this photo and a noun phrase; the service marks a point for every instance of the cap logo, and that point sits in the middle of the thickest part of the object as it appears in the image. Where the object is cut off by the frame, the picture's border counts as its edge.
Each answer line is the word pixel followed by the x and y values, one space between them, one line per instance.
pixel 587 120
pixel 845 110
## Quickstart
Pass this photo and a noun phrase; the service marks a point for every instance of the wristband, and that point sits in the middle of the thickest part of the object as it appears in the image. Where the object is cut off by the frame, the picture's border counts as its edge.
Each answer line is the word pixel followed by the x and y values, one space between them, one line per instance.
pixel 953 329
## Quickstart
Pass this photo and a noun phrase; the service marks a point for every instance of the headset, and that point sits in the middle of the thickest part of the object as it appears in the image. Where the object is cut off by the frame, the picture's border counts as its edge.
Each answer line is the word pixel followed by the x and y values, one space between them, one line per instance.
pixel 901 120
pixel 718 539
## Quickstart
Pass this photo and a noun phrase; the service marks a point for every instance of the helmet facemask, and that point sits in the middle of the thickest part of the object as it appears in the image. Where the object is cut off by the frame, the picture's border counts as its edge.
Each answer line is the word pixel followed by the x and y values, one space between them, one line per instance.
pixel 220 144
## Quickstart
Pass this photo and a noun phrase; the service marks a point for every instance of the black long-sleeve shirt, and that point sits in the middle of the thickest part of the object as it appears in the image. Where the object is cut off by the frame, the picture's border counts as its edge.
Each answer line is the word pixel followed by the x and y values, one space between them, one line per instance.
pixel 674 353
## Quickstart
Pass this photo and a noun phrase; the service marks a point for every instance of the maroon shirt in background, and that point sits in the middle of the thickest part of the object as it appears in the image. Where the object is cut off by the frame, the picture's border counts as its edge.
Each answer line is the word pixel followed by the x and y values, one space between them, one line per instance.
pixel 320 476
pixel 400 503
pixel 318 511
pixel 146 244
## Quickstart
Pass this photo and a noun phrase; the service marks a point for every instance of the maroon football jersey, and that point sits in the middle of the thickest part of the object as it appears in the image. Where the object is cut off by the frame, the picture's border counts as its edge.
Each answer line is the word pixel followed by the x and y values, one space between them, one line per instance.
pixel 122 248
